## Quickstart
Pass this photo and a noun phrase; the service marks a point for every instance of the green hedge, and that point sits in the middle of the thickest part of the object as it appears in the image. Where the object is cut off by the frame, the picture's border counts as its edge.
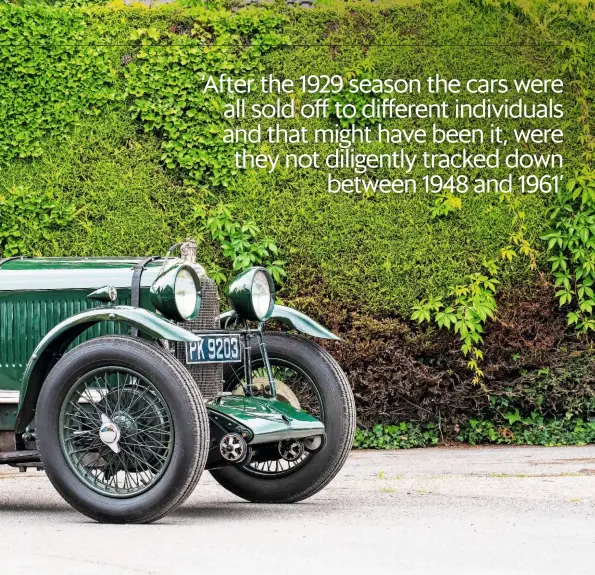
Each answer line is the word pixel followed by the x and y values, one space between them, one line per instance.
pixel 379 254
pixel 94 119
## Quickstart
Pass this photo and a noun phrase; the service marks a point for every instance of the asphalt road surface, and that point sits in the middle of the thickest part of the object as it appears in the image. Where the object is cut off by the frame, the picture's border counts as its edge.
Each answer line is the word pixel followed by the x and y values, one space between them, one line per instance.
pixel 488 510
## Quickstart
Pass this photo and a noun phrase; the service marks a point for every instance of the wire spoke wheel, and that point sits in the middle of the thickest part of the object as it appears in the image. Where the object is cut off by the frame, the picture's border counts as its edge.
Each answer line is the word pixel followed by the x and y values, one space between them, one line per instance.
pixel 307 377
pixel 295 387
pixel 116 432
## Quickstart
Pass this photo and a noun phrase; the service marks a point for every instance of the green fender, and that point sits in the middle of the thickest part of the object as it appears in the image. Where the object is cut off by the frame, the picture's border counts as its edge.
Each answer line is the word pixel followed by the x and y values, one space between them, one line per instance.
pixel 292 318
pixel 57 341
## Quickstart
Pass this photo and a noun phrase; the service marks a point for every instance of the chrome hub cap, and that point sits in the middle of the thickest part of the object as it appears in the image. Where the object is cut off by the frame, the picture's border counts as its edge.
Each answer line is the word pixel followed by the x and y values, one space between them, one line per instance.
pixel 109 433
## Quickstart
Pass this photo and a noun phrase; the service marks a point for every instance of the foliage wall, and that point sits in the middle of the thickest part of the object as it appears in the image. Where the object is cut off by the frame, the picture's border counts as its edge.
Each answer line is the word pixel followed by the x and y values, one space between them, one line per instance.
pixel 108 146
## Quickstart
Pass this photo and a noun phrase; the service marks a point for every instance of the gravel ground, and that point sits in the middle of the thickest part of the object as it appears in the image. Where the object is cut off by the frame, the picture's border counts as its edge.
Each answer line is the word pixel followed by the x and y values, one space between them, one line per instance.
pixel 485 510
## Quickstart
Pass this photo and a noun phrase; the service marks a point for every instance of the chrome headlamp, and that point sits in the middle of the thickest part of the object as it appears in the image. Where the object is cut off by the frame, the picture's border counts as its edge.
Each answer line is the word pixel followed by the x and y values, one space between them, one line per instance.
pixel 252 294
pixel 176 293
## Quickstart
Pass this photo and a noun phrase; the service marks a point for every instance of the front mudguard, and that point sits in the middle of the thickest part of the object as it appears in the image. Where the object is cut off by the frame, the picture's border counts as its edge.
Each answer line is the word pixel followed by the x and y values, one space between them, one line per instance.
pixel 293 319
pixel 57 341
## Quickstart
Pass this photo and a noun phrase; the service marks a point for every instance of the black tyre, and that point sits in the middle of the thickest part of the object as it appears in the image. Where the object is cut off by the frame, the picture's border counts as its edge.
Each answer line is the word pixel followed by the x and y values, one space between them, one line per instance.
pixel 122 430
pixel 314 378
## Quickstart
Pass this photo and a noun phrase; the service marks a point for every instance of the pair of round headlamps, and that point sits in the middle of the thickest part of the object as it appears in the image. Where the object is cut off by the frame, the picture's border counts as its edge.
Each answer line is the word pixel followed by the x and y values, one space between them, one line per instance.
pixel 176 294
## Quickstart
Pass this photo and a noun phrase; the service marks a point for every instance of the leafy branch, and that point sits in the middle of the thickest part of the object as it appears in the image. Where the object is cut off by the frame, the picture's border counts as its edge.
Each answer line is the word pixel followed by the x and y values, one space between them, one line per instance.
pixel 571 242
pixel 444 204
pixel 166 79
pixel 465 309
pixel 571 239
pixel 240 242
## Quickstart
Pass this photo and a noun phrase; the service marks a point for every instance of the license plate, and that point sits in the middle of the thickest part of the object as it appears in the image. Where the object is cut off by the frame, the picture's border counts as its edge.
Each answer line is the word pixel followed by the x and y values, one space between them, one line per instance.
pixel 215 348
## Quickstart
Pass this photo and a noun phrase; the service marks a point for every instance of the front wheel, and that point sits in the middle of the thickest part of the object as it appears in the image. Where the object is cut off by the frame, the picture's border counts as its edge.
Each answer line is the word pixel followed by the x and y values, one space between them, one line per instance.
pixel 122 430
pixel 307 377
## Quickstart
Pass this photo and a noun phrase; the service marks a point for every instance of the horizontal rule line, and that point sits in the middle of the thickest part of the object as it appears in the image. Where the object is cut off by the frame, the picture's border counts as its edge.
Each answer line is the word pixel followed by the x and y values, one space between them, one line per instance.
pixel 331 45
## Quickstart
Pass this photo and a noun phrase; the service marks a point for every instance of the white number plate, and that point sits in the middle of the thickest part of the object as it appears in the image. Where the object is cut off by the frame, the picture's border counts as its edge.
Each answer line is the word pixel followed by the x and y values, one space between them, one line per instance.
pixel 215 348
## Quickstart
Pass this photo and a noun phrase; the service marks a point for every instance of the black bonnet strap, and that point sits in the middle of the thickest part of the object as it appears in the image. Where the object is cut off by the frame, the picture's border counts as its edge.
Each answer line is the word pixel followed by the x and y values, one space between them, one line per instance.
pixel 135 288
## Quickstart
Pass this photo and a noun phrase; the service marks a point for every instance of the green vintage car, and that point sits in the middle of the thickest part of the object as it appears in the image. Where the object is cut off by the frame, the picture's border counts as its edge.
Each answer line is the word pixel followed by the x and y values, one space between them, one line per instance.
pixel 122 379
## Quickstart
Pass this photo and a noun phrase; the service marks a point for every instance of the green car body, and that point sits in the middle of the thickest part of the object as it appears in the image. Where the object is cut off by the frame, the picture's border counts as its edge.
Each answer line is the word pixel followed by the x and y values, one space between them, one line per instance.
pixel 72 324
pixel 47 306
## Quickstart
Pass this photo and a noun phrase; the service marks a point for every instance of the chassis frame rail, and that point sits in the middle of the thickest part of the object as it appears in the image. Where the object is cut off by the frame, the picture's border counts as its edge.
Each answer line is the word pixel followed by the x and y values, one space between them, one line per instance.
pixel 11 457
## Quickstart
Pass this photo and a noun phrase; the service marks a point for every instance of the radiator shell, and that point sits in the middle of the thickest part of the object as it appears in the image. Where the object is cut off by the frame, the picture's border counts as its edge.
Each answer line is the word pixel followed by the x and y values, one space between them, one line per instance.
pixel 208 377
